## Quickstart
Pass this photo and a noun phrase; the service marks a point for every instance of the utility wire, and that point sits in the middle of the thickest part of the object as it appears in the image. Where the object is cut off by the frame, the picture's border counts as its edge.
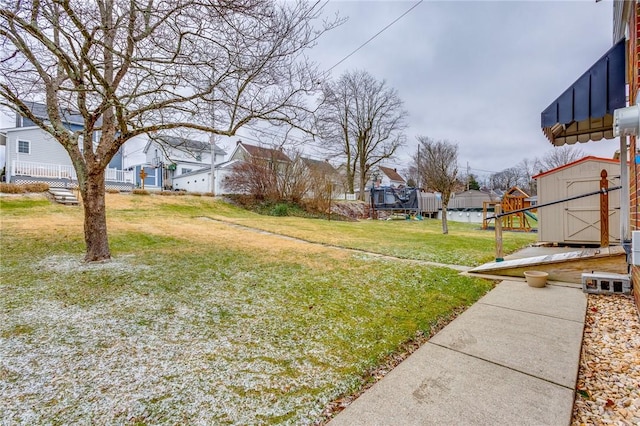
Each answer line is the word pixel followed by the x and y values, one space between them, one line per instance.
pixel 374 36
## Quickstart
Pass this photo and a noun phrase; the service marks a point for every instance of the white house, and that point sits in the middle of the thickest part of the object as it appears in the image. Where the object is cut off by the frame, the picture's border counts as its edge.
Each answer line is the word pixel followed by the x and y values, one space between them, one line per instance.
pixel 178 163
pixel 243 152
pixel 386 176
pixel 33 155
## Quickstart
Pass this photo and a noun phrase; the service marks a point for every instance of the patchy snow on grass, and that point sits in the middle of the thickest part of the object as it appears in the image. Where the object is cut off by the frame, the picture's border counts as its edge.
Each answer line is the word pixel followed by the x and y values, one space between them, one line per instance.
pixel 67 264
pixel 124 362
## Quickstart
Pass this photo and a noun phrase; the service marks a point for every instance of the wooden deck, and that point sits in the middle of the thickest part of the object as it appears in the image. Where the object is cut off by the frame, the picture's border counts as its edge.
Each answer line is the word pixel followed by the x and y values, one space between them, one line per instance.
pixel 562 263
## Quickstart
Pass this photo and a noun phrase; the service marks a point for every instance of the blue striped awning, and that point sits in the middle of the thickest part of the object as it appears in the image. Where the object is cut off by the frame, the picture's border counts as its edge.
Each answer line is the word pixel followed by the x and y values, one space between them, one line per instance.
pixel 584 112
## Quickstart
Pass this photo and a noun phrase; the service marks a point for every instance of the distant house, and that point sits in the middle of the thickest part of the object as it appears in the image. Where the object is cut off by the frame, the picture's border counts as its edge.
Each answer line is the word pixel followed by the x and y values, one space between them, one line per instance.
pixel 321 167
pixel 390 177
pixel 324 170
pixel 577 221
pixel 245 152
pixel 322 173
pixel 178 163
pixel 33 155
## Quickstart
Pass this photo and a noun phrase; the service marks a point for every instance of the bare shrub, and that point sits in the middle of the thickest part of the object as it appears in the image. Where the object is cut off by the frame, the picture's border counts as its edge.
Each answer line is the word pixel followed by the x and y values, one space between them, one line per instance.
pixel 255 177
pixel 12 188
pixel 37 187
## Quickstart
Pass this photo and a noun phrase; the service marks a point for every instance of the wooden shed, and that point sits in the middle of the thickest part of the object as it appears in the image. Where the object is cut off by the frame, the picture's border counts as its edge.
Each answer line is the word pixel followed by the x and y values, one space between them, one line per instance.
pixel 577 221
pixel 473 198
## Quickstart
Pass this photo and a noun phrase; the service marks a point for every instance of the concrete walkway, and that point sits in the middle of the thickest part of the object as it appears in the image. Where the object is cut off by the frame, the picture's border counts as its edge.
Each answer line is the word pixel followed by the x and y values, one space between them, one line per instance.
pixel 510 359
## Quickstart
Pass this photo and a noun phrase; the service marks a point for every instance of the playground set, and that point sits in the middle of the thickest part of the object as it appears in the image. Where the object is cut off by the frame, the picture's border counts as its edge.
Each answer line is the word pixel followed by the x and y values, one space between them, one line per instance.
pixel 514 199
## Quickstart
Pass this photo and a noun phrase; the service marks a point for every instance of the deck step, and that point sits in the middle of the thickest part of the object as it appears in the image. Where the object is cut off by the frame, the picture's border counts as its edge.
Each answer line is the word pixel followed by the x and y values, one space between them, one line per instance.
pixel 64 196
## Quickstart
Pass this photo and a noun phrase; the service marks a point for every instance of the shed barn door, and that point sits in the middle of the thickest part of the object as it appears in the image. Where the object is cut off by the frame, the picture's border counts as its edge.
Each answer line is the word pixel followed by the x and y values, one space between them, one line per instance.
pixel 582 216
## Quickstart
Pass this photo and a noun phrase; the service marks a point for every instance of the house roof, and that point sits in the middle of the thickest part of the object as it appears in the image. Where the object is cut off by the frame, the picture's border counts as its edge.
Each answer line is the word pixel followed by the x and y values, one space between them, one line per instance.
pixel 574 163
pixel 264 153
pixel 183 144
pixel 69 116
pixel 392 174
pixel 319 165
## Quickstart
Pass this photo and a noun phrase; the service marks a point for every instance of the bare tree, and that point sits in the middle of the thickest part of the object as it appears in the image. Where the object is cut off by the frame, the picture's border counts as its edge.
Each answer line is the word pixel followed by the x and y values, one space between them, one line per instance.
pixel 130 67
pixel 437 163
pixel 362 120
pixel 293 178
pixel 506 178
pixel 559 156
pixel 528 169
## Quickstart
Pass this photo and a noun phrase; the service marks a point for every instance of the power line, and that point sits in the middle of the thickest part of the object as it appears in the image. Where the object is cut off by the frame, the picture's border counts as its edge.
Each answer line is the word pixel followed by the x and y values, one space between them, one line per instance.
pixel 375 35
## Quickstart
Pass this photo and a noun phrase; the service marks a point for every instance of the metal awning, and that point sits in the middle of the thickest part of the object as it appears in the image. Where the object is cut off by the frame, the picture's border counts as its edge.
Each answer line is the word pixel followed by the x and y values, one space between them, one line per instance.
pixel 584 112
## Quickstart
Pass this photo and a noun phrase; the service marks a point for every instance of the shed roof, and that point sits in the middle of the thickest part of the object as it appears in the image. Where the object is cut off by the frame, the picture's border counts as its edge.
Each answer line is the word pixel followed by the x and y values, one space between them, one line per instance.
pixel 574 163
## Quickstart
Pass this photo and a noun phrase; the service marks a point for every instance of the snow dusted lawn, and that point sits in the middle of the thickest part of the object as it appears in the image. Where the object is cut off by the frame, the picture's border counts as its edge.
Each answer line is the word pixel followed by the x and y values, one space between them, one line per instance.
pixel 195 322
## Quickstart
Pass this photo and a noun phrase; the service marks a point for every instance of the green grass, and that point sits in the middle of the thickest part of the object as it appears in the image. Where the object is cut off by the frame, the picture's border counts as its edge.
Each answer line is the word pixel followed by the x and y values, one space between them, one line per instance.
pixel 17 204
pixel 198 322
pixel 465 244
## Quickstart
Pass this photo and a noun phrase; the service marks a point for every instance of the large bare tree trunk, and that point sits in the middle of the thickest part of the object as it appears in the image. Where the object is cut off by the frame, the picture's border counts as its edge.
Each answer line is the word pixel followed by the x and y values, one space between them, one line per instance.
pixel 363 183
pixel 95 217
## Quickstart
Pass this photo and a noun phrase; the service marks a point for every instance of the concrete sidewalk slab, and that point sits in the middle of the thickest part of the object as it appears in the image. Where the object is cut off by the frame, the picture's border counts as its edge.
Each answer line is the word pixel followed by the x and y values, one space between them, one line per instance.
pixel 443 387
pixel 552 300
pixel 512 358
pixel 542 346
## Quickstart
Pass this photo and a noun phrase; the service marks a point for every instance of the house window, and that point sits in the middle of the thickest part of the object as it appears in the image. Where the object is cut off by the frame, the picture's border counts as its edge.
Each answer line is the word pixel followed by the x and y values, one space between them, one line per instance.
pixel 24 147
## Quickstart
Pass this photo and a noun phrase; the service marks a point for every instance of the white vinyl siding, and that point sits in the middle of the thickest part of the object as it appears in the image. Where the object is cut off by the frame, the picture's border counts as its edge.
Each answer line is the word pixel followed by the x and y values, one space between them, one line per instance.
pixel 42 147
pixel 577 221
pixel 24 147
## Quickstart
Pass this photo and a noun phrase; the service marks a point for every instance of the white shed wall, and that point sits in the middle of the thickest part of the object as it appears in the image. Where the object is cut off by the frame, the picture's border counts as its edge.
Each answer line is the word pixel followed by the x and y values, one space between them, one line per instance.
pixel 577 221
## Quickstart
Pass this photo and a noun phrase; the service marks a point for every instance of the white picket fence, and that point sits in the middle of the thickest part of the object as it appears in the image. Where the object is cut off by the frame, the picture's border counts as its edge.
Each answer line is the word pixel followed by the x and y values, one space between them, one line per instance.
pixel 345 197
pixel 58 171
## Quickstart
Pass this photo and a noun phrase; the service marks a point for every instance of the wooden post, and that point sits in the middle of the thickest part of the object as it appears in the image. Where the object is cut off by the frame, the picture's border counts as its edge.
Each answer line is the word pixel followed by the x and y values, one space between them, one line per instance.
pixel 498 220
pixel 143 175
pixel 604 210
pixel 330 197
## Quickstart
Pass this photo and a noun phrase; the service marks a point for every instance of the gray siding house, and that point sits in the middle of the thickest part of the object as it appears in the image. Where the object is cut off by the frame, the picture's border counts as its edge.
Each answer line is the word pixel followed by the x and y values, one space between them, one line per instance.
pixel 32 155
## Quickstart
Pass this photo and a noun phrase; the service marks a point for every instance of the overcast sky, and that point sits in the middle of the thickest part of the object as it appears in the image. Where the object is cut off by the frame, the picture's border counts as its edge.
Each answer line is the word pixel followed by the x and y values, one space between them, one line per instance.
pixel 477 73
